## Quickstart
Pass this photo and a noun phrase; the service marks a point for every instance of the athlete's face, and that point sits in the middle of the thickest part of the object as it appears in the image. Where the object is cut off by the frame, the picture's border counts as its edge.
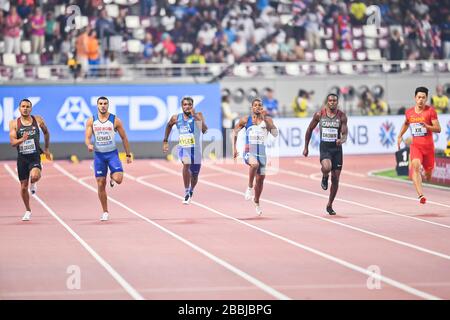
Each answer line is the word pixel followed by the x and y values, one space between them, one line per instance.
pixel 332 102
pixel 25 109
pixel 187 106
pixel 257 107
pixel 421 99
pixel 102 106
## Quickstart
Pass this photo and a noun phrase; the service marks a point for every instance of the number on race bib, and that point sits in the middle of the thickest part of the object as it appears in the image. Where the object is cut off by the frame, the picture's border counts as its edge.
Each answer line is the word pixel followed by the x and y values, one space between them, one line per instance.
pixel 187 140
pixel 27 147
pixel 329 134
pixel 418 130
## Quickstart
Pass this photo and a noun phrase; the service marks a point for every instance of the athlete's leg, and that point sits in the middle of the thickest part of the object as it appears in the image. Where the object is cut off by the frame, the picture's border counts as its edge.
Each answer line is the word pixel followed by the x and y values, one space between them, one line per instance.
pixel 253 168
pixel 335 174
pixel 35 175
pixel 24 193
pixel 117 177
pixel 416 176
pixel 325 168
pixel 101 187
pixel 194 170
pixel 115 167
pixel 259 187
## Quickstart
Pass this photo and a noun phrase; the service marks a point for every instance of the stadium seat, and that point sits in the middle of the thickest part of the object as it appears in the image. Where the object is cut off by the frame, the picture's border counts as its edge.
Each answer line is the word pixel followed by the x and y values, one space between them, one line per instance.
pixel 346 68
pixel 334 55
pixel 34 59
pixel 357 32
pixel 9 59
pixel 387 67
pixel 357 44
pixel 326 32
pixel 43 73
pixel 320 68
pixel 333 68
pixel 383 43
pixel 214 69
pixel 346 55
pixel 306 68
pixel 187 47
pixel 112 10
pixel 139 33
pixel 25 46
pixel 321 55
pixel 383 32
pixel 115 43
pixel 370 31
pixel 427 66
pixel 292 69
pixel 132 22
pixel 134 46
pixel 303 44
pixel 374 55
pixel 329 44
pixel 309 56
pixel 2 46
pixel 370 43
pixel 361 55
pixel 18 73
pixel 241 71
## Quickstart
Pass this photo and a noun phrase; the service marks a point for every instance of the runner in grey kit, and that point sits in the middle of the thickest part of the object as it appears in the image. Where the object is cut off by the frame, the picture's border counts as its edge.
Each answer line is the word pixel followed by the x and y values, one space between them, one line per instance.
pixel 24 134
pixel 333 134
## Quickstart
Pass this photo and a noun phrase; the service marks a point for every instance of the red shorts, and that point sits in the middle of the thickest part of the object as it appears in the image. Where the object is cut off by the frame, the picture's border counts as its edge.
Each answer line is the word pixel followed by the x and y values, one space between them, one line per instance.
pixel 425 153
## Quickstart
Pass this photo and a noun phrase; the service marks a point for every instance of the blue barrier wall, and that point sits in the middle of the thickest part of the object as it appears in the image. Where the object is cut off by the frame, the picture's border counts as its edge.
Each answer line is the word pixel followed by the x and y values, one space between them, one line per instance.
pixel 143 109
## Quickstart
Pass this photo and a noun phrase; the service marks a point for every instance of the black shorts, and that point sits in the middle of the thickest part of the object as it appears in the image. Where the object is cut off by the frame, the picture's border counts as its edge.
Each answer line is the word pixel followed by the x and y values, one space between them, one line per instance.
pixel 26 163
pixel 334 153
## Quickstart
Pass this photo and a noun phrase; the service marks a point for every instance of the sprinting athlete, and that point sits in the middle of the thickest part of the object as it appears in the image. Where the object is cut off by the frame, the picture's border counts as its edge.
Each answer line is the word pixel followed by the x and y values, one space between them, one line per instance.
pixel 423 121
pixel 190 125
pixel 333 134
pixel 24 134
pixel 257 126
pixel 103 126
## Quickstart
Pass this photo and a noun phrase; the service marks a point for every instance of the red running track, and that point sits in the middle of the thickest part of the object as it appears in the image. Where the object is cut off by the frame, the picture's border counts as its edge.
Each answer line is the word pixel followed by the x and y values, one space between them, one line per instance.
pixel 381 245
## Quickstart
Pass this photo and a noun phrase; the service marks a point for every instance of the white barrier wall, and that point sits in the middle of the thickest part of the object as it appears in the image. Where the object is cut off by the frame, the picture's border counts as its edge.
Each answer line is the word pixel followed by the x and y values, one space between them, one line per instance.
pixel 367 135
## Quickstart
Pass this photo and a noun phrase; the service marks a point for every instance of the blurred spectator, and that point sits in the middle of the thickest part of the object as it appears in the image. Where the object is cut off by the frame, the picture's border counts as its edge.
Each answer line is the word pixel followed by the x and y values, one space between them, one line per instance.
pixel 25 8
pixel 238 48
pixel 148 47
pixel 445 36
pixel 358 12
pixel 396 49
pixel 104 27
pixel 12 33
pixel 93 52
pixel 51 30
pixel 196 57
pixel 82 51
pixel 228 116
pixel 312 28
pixel 301 103
pixel 372 106
pixel 270 103
pixel 440 101
pixel 37 31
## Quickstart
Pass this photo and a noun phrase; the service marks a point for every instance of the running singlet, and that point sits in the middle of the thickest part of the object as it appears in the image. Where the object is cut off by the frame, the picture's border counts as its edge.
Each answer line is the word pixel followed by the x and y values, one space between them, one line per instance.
pixel 330 128
pixel 104 134
pixel 421 136
pixel 255 137
pixel 189 133
pixel 31 145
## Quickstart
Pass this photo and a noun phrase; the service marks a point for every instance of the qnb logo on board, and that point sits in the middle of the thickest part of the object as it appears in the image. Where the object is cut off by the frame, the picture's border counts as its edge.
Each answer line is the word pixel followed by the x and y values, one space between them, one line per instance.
pixel 73 114
pixel 315 138
pixel 387 134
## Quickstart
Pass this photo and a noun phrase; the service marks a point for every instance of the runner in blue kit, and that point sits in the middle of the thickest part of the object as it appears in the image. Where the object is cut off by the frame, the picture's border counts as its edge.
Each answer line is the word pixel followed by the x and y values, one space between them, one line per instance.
pixel 24 134
pixel 103 126
pixel 190 125
pixel 257 126
pixel 333 134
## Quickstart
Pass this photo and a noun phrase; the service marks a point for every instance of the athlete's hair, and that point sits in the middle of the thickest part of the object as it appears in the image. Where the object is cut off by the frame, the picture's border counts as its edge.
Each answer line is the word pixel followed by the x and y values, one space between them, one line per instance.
pixel 256 99
pixel 188 99
pixel 332 94
pixel 421 89
pixel 102 98
pixel 26 100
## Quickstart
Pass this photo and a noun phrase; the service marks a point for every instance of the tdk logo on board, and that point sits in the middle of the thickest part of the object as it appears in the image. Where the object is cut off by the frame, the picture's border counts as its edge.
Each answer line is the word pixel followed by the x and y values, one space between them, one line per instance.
pixel 387 134
pixel 73 114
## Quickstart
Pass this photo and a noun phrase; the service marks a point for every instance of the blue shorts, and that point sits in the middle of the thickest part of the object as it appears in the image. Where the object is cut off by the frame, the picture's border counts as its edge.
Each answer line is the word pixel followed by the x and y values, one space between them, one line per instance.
pixel 103 160
pixel 189 156
pixel 261 161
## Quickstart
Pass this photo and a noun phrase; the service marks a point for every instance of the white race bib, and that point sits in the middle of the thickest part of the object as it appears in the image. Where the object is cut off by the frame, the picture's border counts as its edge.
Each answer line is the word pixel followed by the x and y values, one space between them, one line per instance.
pixel 27 147
pixel 186 140
pixel 418 130
pixel 329 134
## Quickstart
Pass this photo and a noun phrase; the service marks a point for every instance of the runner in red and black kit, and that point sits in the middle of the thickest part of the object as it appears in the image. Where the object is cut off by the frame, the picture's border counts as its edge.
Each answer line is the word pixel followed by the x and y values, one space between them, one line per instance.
pixel 24 134
pixel 423 122
pixel 333 133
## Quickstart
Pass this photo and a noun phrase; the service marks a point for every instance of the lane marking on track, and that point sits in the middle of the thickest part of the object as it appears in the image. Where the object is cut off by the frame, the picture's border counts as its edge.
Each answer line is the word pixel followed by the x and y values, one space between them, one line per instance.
pixel 261 285
pixel 324 255
pixel 116 276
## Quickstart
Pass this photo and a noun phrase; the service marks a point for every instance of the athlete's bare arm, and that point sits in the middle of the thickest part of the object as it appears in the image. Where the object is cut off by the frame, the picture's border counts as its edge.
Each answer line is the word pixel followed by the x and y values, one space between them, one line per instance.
pixel 402 132
pixel 271 126
pixel 88 134
pixel 435 126
pixel 199 117
pixel 44 129
pixel 234 134
pixel 172 121
pixel 344 131
pixel 13 134
pixel 312 125
pixel 123 135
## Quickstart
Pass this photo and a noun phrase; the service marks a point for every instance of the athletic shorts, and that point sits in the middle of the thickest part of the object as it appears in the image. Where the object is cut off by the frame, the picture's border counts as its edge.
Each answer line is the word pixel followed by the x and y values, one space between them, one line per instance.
pixel 105 160
pixel 26 163
pixel 190 156
pixel 262 161
pixel 333 153
pixel 425 153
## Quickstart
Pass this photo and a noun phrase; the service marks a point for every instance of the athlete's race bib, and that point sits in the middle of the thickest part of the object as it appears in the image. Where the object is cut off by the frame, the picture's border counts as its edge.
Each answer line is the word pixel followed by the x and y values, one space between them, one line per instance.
pixel 256 136
pixel 329 134
pixel 103 139
pixel 418 130
pixel 27 147
pixel 186 140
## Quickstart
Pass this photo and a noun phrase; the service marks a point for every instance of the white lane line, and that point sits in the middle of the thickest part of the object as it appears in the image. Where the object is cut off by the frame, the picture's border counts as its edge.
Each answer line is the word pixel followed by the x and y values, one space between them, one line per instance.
pixel 307 164
pixel 318 177
pixel 282 185
pixel 374 234
pixel 326 256
pixel 261 285
pixel 127 287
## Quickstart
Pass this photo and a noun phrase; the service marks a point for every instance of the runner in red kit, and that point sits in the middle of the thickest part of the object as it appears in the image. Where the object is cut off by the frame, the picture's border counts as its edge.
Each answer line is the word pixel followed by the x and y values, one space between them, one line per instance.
pixel 423 121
